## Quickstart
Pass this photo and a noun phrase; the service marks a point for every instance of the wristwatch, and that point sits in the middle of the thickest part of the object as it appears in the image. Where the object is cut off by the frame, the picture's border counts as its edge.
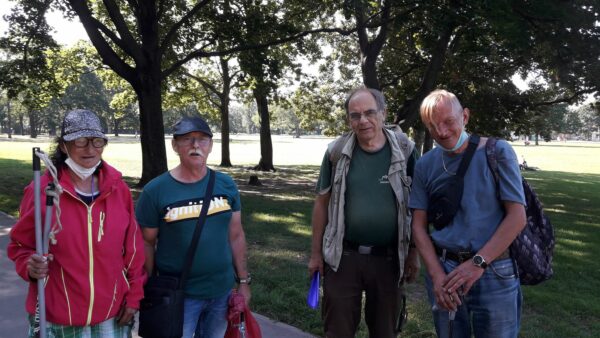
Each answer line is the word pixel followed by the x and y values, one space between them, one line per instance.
pixel 247 280
pixel 479 261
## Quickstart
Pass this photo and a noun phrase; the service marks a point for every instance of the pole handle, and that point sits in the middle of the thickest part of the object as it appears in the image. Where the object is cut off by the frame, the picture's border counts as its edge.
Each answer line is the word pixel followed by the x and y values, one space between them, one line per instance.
pixel 36 160
pixel 49 199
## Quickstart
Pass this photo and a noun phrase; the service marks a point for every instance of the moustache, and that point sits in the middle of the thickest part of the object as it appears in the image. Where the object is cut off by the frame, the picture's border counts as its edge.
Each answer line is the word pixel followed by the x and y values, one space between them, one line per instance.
pixel 196 152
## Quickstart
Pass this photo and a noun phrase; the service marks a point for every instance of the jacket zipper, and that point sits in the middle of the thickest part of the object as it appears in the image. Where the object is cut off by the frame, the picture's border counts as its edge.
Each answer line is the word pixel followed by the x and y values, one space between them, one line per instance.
pixel 90 253
pixel 113 300
pixel 62 276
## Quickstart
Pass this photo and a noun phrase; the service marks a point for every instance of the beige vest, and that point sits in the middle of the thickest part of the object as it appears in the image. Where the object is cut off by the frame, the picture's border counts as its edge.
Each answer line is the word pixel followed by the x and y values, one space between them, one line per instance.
pixel 333 237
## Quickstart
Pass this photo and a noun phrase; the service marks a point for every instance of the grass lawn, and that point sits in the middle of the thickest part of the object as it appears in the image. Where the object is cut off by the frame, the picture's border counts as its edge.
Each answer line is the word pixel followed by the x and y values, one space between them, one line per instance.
pixel 276 218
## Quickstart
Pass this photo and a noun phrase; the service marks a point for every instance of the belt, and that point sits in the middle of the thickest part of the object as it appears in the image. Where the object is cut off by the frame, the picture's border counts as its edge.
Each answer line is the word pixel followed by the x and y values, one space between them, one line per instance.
pixel 369 249
pixel 463 256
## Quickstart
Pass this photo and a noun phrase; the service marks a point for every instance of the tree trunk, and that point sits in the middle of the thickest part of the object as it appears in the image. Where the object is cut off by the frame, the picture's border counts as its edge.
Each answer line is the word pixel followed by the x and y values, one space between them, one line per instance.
pixel 148 85
pixel 32 123
pixel 22 125
pixel 419 138
pixel 9 121
pixel 266 145
pixel 369 70
pixel 428 143
pixel 225 154
pixel 370 48
pixel 116 126
pixel 409 112
pixel 152 132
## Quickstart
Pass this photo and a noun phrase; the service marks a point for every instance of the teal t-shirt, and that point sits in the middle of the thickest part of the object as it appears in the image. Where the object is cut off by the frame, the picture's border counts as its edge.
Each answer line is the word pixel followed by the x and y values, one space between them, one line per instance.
pixel 173 207
pixel 371 211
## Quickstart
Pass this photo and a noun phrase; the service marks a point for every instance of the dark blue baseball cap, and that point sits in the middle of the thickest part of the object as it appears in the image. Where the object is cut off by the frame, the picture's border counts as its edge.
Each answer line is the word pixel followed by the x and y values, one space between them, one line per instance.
pixel 190 124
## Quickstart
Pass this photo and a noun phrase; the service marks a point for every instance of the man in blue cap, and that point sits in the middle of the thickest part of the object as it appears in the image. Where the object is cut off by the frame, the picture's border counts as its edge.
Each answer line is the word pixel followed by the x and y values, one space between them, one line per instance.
pixel 170 205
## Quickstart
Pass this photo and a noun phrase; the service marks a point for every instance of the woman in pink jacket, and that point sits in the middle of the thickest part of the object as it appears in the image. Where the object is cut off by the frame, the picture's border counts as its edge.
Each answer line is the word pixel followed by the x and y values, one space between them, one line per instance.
pixel 94 271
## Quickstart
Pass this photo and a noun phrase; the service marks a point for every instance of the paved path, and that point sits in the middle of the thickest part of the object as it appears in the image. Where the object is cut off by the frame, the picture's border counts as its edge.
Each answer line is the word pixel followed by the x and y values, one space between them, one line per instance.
pixel 13 322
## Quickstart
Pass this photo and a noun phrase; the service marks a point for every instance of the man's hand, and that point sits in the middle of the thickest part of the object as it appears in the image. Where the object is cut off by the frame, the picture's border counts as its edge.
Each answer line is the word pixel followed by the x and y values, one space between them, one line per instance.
pixel 244 290
pixel 411 265
pixel 462 278
pixel 125 315
pixel 444 299
pixel 315 264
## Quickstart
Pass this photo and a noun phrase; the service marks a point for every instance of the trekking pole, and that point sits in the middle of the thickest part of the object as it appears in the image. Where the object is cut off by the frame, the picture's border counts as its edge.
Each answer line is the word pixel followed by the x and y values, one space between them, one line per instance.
pixel 48 219
pixel 451 316
pixel 242 325
pixel 39 238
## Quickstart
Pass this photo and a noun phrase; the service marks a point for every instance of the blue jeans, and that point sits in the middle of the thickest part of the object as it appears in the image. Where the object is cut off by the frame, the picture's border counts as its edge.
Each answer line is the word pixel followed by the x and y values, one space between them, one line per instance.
pixel 491 309
pixel 207 318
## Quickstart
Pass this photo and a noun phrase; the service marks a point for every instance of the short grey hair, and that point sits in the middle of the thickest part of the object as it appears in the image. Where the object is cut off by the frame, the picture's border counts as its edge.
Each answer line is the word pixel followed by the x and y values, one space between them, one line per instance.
pixel 377 95
pixel 430 103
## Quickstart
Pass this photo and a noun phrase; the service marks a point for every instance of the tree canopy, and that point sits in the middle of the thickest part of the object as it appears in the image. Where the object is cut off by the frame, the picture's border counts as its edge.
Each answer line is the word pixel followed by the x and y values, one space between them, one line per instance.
pixel 406 48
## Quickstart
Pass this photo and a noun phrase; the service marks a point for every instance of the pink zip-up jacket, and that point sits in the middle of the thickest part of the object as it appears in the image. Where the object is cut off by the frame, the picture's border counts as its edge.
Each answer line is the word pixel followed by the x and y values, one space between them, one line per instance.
pixel 99 254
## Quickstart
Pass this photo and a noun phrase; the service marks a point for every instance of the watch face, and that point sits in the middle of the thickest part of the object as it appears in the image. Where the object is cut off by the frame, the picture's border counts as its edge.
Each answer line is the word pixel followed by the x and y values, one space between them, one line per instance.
pixel 479 261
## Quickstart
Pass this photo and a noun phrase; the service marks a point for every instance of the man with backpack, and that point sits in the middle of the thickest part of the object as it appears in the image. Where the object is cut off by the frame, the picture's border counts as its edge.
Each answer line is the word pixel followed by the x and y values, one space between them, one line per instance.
pixel 361 222
pixel 471 279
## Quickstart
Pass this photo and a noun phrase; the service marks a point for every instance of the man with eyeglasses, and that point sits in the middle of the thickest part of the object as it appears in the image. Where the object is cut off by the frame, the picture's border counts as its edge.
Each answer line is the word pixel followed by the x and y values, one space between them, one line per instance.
pixel 170 205
pixel 361 234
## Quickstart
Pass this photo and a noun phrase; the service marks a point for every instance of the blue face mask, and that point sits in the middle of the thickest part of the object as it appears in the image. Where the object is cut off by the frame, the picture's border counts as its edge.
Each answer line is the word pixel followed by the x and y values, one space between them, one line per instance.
pixel 461 140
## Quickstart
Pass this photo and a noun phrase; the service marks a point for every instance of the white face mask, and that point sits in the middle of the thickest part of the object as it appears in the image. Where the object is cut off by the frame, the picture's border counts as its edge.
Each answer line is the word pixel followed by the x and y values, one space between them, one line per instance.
pixel 80 171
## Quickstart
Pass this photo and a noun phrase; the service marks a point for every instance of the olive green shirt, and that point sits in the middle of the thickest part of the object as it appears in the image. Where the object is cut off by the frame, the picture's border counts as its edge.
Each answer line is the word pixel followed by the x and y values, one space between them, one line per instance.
pixel 371 209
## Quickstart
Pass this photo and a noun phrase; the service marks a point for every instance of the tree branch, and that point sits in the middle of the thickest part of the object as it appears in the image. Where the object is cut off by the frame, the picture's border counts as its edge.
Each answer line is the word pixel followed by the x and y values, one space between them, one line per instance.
pixel 171 34
pixel 567 99
pixel 128 44
pixel 161 9
pixel 201 53
pixel 204 83
pixel 105 51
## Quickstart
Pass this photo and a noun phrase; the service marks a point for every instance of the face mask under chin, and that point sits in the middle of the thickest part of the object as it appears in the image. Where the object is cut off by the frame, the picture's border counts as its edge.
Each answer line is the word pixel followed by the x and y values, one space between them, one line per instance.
pixel 80 171
pixel 461 140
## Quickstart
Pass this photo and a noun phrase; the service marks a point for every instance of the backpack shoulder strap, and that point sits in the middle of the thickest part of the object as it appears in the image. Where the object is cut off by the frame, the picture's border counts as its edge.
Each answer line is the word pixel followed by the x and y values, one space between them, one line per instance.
pixel 490 151
pixel 492 160
pixel 406 145
pixel 468 156
pixel 335 148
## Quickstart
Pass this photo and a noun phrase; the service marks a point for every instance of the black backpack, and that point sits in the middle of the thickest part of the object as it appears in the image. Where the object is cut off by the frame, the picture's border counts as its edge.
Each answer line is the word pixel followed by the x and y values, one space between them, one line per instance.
pixel 534 246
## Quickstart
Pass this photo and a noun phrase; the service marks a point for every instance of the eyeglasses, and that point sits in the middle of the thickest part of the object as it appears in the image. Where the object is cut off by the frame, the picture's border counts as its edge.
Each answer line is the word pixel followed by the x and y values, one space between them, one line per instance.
pixel 83 142
pixel 369 114
pixel 189 141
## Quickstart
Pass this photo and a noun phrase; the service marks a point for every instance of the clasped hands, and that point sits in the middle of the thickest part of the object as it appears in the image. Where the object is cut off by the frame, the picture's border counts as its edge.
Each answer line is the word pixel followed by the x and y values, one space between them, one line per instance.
pixel 450 288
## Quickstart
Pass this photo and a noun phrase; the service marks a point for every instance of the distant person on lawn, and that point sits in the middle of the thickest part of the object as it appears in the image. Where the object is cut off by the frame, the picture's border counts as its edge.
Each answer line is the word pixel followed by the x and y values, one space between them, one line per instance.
pixel 94 273
pixel 361 221
pixel 469 269
pixel 168 211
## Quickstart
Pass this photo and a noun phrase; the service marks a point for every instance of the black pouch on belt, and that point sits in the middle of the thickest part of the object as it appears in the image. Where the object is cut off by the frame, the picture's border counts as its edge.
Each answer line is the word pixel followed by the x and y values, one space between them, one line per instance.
pixel 444 202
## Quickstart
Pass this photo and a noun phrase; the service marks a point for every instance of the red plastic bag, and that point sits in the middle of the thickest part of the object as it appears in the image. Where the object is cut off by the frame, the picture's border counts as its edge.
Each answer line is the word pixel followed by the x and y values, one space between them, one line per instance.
pixel 240 321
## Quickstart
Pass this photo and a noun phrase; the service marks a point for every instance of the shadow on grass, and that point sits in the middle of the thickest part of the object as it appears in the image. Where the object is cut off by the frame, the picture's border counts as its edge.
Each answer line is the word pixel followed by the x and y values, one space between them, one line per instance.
pixel 562 306
pixel 14 176
pixel 277 215
pixel 559 145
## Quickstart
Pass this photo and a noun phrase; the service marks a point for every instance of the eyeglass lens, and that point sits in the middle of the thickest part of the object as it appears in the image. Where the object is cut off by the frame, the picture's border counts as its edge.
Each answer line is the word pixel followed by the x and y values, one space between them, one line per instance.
pixel 355 116
pixel 190 141
pixel 83 142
